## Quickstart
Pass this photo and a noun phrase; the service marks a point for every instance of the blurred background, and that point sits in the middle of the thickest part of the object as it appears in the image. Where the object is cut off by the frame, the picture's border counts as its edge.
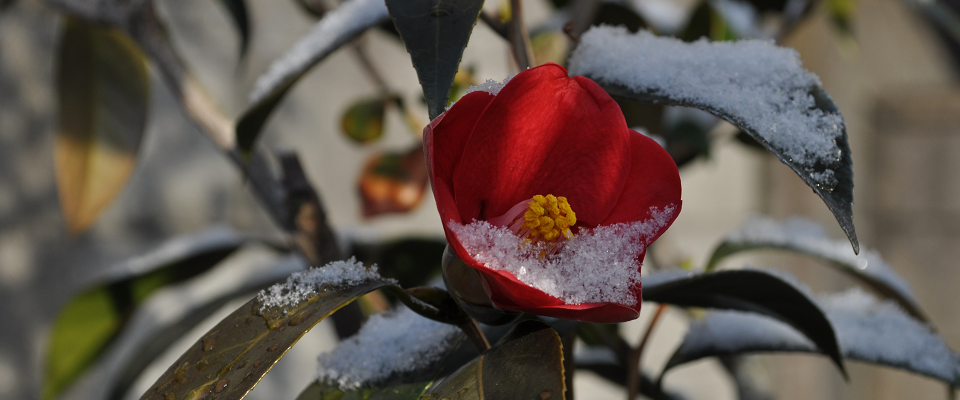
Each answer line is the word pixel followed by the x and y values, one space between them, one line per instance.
pixel 894 81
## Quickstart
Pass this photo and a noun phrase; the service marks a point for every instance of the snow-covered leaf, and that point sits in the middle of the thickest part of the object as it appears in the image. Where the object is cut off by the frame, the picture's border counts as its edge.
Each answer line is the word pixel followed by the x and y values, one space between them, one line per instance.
pixel 757 86
pixel 751 290
pixel 103 90
pixel 526 364
pixel 435 34
pixel 91 320
pixel 807 237
pixel 336 28
pixel 195 311
pixel 868 330
pixel 389 347
pixel 231 358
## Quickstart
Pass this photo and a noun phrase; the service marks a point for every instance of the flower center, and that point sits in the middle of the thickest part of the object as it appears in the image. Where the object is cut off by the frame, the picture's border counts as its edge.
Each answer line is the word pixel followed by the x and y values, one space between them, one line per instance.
pixel 540 219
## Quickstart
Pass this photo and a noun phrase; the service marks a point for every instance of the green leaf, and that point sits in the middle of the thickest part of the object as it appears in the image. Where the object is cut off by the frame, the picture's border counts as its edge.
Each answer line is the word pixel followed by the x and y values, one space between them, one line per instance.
pixel 103 90
pixel 92 319
pixel 748 290
pixel 238 14
pixel 405 391
pixel 164 335
pixel 232 357
pixel 869 331
pixel 797 138
pixel 363 120
pixel 435 32
pixel 336 28
pixel 808 238
pixel 526 364
pixel 411 261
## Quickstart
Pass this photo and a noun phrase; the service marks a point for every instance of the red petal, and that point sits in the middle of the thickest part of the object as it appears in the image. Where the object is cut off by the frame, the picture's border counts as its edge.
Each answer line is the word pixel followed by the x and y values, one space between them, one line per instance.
pixel 446 136
pixel 545 133
pixel 653 182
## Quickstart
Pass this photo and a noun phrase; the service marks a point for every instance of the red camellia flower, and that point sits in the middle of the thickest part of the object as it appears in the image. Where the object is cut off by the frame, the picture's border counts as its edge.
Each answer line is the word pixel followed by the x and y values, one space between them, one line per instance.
pixel 545 192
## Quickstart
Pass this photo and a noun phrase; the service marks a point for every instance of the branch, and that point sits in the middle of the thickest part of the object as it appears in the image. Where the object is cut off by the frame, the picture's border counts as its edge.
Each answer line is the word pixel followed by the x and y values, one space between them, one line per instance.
pixel 519 39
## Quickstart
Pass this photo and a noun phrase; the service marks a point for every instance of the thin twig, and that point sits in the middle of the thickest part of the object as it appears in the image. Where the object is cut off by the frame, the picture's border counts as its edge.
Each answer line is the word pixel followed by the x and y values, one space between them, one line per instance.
pixel 369 68
pixel 519 39
pixel 292 203
pixel 494 23
pixel 476 336
pixel 633 377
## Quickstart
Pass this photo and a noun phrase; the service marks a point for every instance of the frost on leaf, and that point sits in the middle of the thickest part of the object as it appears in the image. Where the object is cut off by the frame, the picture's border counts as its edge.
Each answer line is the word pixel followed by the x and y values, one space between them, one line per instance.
pixel 868 330
pixel 755 84
pixel 336 28
pixel 596 266
pixel 389 346
pixel 302 285
pixel 808 237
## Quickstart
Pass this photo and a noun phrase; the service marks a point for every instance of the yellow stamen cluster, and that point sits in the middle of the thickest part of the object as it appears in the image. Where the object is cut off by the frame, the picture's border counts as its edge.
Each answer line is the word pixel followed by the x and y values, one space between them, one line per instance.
pixel 549 217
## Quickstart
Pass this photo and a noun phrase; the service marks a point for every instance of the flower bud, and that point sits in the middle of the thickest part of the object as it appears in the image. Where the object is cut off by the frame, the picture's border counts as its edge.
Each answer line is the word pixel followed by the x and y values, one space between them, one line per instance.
pixel 469 290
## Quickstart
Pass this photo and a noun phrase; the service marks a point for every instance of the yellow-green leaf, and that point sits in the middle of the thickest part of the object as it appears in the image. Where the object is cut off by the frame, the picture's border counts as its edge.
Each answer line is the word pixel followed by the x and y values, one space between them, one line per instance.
pixel 363 121
pixel 92 319
pixel 230 359
pixel 103 90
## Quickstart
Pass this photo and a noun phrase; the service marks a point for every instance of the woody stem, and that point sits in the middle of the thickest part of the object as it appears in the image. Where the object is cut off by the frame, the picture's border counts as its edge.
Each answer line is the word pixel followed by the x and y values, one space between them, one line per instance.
pixel 633 377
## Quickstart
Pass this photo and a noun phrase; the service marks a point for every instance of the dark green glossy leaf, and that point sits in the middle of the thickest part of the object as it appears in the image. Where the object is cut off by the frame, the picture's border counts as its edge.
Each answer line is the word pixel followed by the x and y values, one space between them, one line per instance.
pixel 411 261
pixel 93 318
pixel 829 174
pixel 165 335
pixel 232 357
pixel 747 290
pixel 526 364
pixel 435 32
pixel 238 14
pixel 103 90
pixel 363 120
pixel 872 332
pixel 337 27
pixel 321 391
pixel 808 238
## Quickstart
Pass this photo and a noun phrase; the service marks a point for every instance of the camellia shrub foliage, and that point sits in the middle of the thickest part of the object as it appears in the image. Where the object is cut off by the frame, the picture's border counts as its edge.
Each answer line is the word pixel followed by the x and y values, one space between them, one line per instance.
pixel 552 185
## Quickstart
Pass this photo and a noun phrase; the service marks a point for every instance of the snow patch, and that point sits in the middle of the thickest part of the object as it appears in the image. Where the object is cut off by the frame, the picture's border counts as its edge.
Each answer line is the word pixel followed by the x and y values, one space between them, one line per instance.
pixel 490 86
pixel 388 346
pixel 596 266
pixel 754 83
pixel 302 285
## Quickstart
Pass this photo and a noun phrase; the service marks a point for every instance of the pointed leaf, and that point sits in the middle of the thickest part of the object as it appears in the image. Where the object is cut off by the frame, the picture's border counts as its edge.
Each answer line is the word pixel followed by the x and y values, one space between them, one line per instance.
pixel 93 318
pixel 233 356
pixel 755 85
pixel 412 261
pixel 747 290
pixel 869 331
pixel 195 311
pixel 103 90
pixel 807 237
pixel 526 364
pixel 238 14
pixel 435 32
pixel 337 27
